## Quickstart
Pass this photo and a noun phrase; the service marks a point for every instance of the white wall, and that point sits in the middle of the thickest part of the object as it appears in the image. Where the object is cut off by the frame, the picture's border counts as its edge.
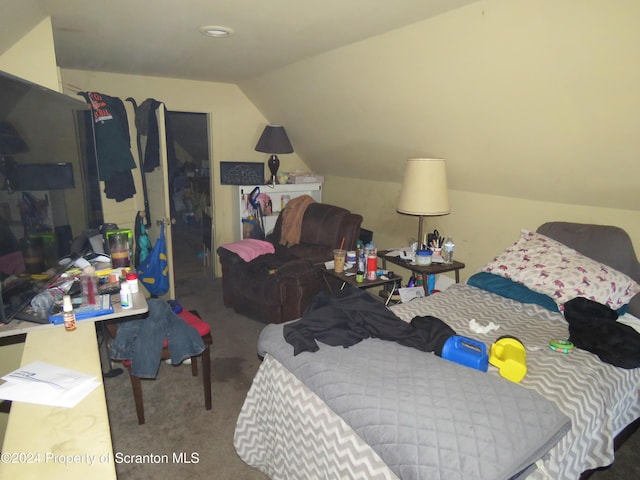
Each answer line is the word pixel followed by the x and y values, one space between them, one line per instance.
pixel 33 57
pixel 533 103
pixel 236 125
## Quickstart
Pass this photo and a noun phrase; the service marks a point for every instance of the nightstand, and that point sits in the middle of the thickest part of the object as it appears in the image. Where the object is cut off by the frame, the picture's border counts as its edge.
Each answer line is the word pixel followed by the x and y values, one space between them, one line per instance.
pixel 349 278
pixel 432 269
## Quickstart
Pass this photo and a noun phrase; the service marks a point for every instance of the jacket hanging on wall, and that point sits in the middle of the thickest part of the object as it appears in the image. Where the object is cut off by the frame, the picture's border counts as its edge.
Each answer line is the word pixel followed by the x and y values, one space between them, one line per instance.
pixel 147 124
pixel 113 145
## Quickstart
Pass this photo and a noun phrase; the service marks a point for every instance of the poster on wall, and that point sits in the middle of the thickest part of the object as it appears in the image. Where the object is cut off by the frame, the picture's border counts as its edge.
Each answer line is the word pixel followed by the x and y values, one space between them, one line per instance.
pixel 241 173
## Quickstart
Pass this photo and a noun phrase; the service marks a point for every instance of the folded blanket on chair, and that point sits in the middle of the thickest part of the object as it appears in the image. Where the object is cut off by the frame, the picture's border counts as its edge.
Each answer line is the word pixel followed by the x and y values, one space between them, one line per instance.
pixel 292 219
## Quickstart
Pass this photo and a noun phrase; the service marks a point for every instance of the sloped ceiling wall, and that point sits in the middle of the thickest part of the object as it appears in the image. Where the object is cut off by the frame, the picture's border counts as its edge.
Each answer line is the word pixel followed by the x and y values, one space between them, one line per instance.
pixel 534 99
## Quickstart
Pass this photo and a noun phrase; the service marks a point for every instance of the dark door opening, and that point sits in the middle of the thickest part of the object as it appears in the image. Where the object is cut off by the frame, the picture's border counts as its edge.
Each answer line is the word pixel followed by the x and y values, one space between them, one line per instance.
pixel 190 195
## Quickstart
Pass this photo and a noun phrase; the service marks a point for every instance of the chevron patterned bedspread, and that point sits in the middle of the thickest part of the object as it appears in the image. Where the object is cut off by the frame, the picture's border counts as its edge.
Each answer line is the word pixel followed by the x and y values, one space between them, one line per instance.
pixel 426 417
pixel 599 398
pixel 387 420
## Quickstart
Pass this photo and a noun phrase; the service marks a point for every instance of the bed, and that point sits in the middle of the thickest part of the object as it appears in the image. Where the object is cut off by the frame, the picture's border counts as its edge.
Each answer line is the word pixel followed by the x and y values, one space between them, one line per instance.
pixel 298 421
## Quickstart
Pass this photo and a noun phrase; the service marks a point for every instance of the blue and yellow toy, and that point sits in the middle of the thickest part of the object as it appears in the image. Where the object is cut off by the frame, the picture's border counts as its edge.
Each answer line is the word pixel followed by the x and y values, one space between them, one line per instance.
pixel 466 351
pixel 510 357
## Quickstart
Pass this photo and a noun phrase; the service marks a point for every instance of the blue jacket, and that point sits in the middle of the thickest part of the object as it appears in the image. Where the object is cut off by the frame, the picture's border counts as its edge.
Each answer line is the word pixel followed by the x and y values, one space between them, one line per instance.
pixel 141 341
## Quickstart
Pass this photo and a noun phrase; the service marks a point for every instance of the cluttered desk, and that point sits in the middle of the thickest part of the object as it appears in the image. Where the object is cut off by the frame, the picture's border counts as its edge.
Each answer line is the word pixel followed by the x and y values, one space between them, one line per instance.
pixel 68 433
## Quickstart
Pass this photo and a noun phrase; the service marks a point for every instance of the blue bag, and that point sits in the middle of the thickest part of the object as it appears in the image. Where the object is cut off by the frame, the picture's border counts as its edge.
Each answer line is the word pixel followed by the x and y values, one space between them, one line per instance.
pixel 153 273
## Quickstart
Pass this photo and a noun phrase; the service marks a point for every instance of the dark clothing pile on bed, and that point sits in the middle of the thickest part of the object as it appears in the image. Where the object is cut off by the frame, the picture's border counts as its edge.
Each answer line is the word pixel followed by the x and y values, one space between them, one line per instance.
pixel 593 327
pixel 351 315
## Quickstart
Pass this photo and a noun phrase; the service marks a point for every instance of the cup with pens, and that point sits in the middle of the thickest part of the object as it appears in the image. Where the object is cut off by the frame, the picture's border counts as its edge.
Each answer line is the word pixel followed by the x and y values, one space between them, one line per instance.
pixel 435 242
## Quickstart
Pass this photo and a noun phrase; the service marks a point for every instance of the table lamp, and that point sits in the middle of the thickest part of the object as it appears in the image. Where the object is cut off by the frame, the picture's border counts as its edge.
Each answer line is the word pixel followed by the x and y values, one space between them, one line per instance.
pixel 424 190
pixel 274 140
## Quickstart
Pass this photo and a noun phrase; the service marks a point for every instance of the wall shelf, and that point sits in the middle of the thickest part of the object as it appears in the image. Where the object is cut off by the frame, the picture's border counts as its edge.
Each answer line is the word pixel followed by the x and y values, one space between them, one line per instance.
pixel 278 195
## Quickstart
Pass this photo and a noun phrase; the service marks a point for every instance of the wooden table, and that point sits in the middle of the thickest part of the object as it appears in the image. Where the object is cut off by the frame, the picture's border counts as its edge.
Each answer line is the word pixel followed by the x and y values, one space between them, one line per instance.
pixel 432 269
pixel 55 442
pixel 348 277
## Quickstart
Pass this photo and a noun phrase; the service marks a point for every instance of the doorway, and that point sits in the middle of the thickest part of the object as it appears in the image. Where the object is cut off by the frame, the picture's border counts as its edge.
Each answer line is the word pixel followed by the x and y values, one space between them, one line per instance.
pixel 190 195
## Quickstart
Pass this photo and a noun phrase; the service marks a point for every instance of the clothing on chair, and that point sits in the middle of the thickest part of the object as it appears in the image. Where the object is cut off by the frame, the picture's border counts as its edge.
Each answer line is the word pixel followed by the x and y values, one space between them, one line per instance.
pixel 141 341
pixel 292 219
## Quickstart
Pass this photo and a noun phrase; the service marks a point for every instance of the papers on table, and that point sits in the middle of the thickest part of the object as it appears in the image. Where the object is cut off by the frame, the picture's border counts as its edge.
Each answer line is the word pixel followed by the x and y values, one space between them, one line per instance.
pixel 409 255
pixel 409 293
pixel 47 384
pixel 405 253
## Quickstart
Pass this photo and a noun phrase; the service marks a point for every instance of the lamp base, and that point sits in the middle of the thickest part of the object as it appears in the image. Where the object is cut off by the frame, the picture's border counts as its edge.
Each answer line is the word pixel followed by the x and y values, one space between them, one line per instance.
pixel 420 242
pixel 274 165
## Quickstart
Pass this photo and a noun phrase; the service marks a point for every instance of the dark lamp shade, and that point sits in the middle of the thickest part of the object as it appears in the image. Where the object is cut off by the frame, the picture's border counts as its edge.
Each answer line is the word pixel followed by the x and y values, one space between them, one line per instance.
pixel 274 139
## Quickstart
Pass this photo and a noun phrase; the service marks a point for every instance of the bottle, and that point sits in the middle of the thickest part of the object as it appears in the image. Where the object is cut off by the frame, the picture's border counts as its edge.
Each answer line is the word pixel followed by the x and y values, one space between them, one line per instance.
pixel 126 299
pixel 362 259
pixel 372 267
pixel 132 280
pixel 448 250
pixel 69 316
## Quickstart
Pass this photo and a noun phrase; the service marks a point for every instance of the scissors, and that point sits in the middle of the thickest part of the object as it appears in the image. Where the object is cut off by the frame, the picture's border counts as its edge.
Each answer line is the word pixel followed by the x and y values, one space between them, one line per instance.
pixel 437 239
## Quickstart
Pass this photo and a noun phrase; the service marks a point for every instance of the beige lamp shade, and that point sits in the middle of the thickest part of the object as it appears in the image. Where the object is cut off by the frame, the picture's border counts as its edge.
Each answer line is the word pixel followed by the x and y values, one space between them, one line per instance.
pixel 424 188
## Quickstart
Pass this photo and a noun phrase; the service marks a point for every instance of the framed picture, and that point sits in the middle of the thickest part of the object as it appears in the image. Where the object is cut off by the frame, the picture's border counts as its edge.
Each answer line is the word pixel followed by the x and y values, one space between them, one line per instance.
pixel 242 173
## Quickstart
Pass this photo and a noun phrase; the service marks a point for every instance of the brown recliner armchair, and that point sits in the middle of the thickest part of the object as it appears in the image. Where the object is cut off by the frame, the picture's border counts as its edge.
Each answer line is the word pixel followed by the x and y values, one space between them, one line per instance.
pixel 278 287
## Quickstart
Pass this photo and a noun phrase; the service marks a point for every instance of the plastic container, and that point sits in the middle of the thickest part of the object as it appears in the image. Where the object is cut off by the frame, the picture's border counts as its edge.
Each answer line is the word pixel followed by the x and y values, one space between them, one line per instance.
pixel 338 260
pixel 132 280
pixel 69 316
pixel 89 282
pixel 510 357
pixel 126 299
pixel 466 351
pixel 120 247
pixel 447 250
pixel 423 257
pixel 372 267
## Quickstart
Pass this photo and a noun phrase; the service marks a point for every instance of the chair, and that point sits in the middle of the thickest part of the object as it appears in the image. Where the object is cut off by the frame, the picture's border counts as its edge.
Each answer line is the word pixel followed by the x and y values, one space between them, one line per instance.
pixel 205 332
pixel 275 288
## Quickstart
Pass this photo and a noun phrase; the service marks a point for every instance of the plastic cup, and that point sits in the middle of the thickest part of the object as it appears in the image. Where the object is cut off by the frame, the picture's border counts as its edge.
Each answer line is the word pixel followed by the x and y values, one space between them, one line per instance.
pixel 89 282
pixel 423 257
pixel 339 257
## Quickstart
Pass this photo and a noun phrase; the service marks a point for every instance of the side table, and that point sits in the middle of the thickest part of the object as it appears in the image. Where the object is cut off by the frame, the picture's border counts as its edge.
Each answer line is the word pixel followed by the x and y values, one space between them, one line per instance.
pixel 348 277
pixel 432 269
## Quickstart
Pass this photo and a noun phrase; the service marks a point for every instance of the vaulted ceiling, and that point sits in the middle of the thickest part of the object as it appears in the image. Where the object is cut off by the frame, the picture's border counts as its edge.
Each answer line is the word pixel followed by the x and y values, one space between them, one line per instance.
pixel 161 37
pixel 534 99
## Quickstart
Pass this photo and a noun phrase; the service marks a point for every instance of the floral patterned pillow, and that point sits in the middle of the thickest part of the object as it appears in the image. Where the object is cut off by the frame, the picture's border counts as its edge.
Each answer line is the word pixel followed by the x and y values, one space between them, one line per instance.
pixel 549 267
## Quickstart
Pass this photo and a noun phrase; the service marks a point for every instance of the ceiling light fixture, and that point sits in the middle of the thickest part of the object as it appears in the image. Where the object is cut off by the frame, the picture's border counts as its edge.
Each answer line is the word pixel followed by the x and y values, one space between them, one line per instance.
pixel 216 31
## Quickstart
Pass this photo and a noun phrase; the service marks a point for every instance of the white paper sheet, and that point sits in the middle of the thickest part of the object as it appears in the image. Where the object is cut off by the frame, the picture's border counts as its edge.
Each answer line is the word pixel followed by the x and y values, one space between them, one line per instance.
pixel 46 384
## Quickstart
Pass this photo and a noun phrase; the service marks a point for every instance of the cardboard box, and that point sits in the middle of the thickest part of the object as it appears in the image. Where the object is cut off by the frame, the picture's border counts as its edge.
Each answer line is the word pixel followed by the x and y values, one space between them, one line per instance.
pixel 299 178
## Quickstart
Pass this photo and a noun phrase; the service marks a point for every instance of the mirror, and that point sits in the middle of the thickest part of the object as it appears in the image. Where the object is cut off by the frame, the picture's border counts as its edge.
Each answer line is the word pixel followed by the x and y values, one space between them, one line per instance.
pixel 49 188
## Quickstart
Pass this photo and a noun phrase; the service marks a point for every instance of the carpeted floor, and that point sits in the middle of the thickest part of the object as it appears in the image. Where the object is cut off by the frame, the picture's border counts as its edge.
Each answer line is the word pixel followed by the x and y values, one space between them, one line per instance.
pixel 176 420
pixel 177 423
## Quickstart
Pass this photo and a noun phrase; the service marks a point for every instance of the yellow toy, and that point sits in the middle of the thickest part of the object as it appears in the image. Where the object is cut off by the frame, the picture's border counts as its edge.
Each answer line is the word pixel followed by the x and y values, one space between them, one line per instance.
pixel 509 356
